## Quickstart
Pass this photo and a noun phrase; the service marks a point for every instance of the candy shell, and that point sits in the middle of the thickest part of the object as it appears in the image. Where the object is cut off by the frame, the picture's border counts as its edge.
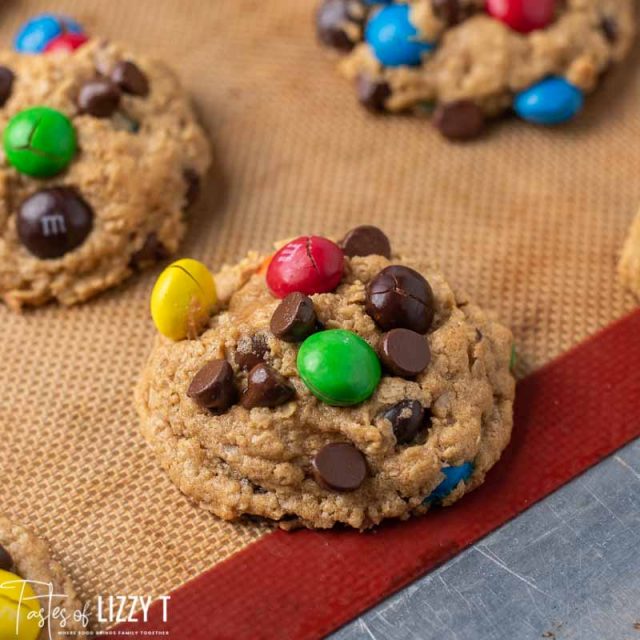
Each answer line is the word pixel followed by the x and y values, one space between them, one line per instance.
pixel 66 42
pixel 339 367
pixel 551 101
pixel 182 299
pixel 453 476
pixel 395 41
pixel 38 32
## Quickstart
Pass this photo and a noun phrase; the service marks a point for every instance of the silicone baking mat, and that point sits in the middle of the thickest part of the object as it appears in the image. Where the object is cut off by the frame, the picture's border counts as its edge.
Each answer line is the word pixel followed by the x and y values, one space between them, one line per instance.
pixel 529 221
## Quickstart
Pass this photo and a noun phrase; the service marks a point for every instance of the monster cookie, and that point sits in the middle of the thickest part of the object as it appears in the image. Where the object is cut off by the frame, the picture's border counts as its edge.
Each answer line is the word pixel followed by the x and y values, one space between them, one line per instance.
pixel 327 383
pixel 37 598
pixel 629 267
pixel 464 61
pixel 102 156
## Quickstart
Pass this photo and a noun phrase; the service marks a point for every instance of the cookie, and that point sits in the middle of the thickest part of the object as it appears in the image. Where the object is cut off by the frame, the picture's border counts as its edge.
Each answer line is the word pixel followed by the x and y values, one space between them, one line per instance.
pixel 25 558
pixel 331 385
pixel 629 265
pixel 102 156
pixel 466 61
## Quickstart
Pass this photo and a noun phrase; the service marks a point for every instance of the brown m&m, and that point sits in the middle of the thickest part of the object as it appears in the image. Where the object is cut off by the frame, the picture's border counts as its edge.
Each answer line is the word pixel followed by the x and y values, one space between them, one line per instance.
pixel 266 387
pixel 399 297
pixel 52 222
pixel 294 318
pixel 339 466
pixel 405 352
pixel 407 418
pixel 213 387
pixel 366 240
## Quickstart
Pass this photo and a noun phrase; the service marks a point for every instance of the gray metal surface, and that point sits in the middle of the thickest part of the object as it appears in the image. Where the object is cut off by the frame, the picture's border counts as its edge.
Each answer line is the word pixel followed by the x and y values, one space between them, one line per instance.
pixel 569 568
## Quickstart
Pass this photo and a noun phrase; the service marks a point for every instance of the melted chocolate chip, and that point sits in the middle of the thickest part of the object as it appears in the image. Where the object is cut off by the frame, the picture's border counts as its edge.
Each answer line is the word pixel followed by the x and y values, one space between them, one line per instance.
pixel 366 240
pixel 6 84
pixel 6 561
pixel 251 351
pixel 213 386
pixel 399 297
pixel 192 180
pixel 266 388
pixel 405 353
pixel 339 466
pixel 372 94
pixel 461 120
pixel 609 27
pixel 152 251
pixel 294 318
pixel 407 418
pixel 99 98
pixel 130 78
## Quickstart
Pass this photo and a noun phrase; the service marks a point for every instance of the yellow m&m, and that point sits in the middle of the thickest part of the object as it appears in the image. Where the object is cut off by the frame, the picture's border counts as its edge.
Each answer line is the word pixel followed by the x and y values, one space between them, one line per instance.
pixel 182 299
pixel 19 608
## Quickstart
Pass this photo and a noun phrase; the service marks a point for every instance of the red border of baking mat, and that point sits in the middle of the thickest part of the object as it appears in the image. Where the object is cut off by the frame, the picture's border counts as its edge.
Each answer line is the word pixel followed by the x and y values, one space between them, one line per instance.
pixel 569 415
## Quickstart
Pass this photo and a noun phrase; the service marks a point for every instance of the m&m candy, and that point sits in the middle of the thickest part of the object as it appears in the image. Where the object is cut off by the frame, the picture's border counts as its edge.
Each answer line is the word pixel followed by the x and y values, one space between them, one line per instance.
pixel 36 34
pixel 19 608
pixel 40 142
pixel 309 264
pixel 395 41
pixel 552 101
pixel 66 42
pixel 182 299
pixel 339 367
pixel 523 15
pixel 453 476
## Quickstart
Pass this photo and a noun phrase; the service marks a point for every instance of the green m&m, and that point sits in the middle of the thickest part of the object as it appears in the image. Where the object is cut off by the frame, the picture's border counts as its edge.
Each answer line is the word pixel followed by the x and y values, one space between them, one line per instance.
pixel 39 142
pixel 339 367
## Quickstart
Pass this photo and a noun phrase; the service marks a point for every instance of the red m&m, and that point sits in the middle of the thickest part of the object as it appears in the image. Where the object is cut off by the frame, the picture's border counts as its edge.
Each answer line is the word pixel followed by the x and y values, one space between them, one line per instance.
pixel 523 15
pixel 309 264
pixel 66 42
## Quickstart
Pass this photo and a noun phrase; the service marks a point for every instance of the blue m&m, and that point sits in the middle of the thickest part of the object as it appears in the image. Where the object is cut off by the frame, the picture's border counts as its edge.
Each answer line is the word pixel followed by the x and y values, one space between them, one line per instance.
pixel 394 39
pixel 37 33
pixel 552 101
pixel 453 476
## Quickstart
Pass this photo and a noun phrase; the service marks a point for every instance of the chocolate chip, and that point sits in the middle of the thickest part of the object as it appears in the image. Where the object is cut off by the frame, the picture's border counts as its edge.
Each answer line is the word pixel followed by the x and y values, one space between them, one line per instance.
pixel 339 466
pixel 152 251
pixel 451 12
pixel 333 19
pixel 6 84
pixel 372 94
pixel 405 353
pixel 213 387
pixel 6 561
pixel 192 180
pixel 406 418
pixel 366 240
pixel 130 78
pixel 461 120
pixel 266 388
pixel 251 351
pixel 99 97
pixel 609 27
pixel 294 318
pixel 52 222
pixel 399 297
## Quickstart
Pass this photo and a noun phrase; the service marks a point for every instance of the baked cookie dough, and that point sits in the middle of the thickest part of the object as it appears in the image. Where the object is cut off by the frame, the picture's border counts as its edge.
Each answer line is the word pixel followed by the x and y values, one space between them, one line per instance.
pixel 629 266
pixel 23 556
pixel 464 61
pixel 334 383
pixel 93 187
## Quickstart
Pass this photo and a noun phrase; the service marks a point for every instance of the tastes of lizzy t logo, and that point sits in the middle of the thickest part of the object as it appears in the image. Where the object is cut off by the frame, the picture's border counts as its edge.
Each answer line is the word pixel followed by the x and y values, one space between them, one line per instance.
pixel 41 610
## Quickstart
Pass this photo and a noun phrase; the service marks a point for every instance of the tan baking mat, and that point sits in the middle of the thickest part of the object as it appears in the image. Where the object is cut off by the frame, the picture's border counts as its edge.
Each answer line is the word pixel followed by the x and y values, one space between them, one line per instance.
pixel 529 221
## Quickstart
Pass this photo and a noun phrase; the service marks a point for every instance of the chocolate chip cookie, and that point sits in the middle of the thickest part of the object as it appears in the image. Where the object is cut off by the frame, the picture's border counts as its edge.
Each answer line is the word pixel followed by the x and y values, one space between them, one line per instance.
pixel 101 157
pixel 334 382
pixel 28 577
pixel 465 61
